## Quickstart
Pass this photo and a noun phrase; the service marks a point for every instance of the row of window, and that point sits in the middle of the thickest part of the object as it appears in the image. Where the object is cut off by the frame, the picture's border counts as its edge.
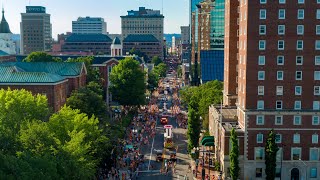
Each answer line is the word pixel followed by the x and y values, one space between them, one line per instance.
pixel 278 120
pixel 280 60
pixel 313 172
pixel 296 138
pixel 279 105
pixel 297 90
pixel 282 29
pixel 280 75
pixel 282 14
pixel 281 45
pixel 284 1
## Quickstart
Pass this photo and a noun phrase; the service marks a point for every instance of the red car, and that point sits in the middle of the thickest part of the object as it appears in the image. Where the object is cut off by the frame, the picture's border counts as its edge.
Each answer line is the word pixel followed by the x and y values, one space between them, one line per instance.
pixel 164 121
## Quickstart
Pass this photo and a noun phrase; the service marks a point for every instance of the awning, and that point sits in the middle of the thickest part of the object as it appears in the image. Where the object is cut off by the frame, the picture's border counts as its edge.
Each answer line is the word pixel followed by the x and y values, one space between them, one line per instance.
pixel 209 144
pixel 207 139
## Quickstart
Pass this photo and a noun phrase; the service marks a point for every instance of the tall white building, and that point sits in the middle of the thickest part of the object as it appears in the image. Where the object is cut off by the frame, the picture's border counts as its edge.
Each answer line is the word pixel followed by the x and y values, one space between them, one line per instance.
pixel 36 30
pixel 89 25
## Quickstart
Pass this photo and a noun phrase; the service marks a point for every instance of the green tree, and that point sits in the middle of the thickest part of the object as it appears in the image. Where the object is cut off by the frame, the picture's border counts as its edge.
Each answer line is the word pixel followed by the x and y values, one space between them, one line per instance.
pixel 16 108
pixel 128 83
pixel 41 57
pixel 179 71
pixel 89 100
pixel 234 156
pixel 156 60
pixel 153 80
pixel 196 79
pixel 271 150
pixel 134 51
pixel 194 128
pixel 93 75
pixel 161 69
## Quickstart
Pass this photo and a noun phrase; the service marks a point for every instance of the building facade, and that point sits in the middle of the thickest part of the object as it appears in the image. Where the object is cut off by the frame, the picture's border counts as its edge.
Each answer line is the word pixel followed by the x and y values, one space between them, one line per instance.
pixel 7 43
pixel 277 70
pixel 89 25
pixel 185 34
pixel 35 30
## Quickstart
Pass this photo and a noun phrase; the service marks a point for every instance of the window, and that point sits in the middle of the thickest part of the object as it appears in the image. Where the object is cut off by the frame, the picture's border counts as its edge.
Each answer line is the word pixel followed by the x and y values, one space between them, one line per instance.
pixel 259 138
pixel 299 60
pixel 297 105
pixel 298 75
pixel 296 138
pixel 300 1
pixel 260 104
pixel 315 120
pixel 278 104
pixel 281 45
pixel 263 1
pixel 259 172
pixel 318 13
pixel 259 153
pixel 300 13
pixel 262 29
pixel 282 1
pixel 279 75
pixel 299 44
pixel 278 138
pixel 317 29
pixel 298 90
pixel 318 1
pixel 295 153
pixel 260 75
pixel 279 90
pixel 316 90
pixel 260 120
pixel 281 29
pixel 282 14
pixel 314 154
pixel 262 44
pixel 316 105
pixel 317 75
pixel 296 120
pixel 260 90
pixel 315 139
pixel 262 60
pixel 263 14
pixel 317 60
pixel 317 44
pixel 280 60
pixel 313 172
pixel 278 120
pixel 300 29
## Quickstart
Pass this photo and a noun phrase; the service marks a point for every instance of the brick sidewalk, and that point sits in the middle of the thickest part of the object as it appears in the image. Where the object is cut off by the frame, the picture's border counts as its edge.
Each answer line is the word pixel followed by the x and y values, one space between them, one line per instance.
pixel 213 174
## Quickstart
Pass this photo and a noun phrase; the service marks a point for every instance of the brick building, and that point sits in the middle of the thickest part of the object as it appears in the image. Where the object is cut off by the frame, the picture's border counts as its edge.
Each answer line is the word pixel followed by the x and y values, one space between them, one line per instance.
pixel 272 81
pixel 55 80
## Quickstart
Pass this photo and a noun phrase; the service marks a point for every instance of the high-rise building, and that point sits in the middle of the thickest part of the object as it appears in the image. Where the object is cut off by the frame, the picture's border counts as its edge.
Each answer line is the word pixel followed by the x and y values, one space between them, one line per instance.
pixel 36 30
pixel 89 25
pixel 143 22
pixel 194 27
pixel 185 34
pixel 276 70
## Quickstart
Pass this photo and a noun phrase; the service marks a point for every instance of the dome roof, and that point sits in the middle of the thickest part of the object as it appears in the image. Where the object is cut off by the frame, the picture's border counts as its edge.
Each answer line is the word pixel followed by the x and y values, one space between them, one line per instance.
pixel 4 26
pixel 116 40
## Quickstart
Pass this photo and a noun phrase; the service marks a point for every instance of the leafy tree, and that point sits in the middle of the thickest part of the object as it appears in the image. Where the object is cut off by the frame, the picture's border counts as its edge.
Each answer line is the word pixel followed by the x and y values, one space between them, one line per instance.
pixel 134 51
pixel 196 79
pixel 93 74
pixel 179 71
pixel 156 60
pixel 16 108
pixel 161 69
pixel 41 57
pixel 128 83
pixel 89 100
pixel 234 156
pixel 153 80
pixel 193 132
pixel 271 156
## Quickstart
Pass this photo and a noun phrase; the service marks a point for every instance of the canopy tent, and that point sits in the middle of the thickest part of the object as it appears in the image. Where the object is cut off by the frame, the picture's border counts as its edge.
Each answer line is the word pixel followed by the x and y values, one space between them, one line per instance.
pixel 207 141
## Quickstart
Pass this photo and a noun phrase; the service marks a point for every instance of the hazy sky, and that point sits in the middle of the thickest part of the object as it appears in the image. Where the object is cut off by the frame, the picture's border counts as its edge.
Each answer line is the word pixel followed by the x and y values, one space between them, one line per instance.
pixel 63 12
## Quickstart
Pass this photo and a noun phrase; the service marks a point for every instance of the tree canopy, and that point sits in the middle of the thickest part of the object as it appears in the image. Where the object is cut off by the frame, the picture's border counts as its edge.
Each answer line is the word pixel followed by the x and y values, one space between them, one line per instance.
pixel 128 84
pixel 156 60
pixel 234 156
pixel 161 69
pixel 194 126
pixel 271 150
pixel 41 57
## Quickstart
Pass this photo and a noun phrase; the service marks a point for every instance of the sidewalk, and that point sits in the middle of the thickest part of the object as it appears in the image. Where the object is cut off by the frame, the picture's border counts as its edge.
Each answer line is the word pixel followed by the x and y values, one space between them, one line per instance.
pixel 213 174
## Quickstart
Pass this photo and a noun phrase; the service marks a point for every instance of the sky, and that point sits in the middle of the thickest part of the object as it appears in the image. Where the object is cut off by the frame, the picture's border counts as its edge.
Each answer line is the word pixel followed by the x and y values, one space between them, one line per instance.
pixel 63 12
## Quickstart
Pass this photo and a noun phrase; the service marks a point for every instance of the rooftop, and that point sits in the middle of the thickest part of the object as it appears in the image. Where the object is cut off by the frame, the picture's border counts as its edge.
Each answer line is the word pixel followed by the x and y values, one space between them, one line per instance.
pixel 140 38
pixel 143 12
pixel 4 26
pixel 116 40
pixel 88 38
pixel 30 77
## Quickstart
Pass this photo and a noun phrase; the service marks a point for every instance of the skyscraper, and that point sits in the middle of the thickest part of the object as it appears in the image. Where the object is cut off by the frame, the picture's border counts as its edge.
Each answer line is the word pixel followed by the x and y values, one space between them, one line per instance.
pixel 35 30
pixel 89 25
pixel 185 34
pixel 275 74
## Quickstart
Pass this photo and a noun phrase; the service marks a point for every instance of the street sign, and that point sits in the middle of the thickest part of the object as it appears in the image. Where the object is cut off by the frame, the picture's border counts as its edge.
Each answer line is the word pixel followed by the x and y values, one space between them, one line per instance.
pixel 167 126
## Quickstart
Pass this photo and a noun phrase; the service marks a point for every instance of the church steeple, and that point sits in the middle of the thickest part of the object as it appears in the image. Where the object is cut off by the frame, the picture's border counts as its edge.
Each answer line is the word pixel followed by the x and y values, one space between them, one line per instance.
pixel 4 26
